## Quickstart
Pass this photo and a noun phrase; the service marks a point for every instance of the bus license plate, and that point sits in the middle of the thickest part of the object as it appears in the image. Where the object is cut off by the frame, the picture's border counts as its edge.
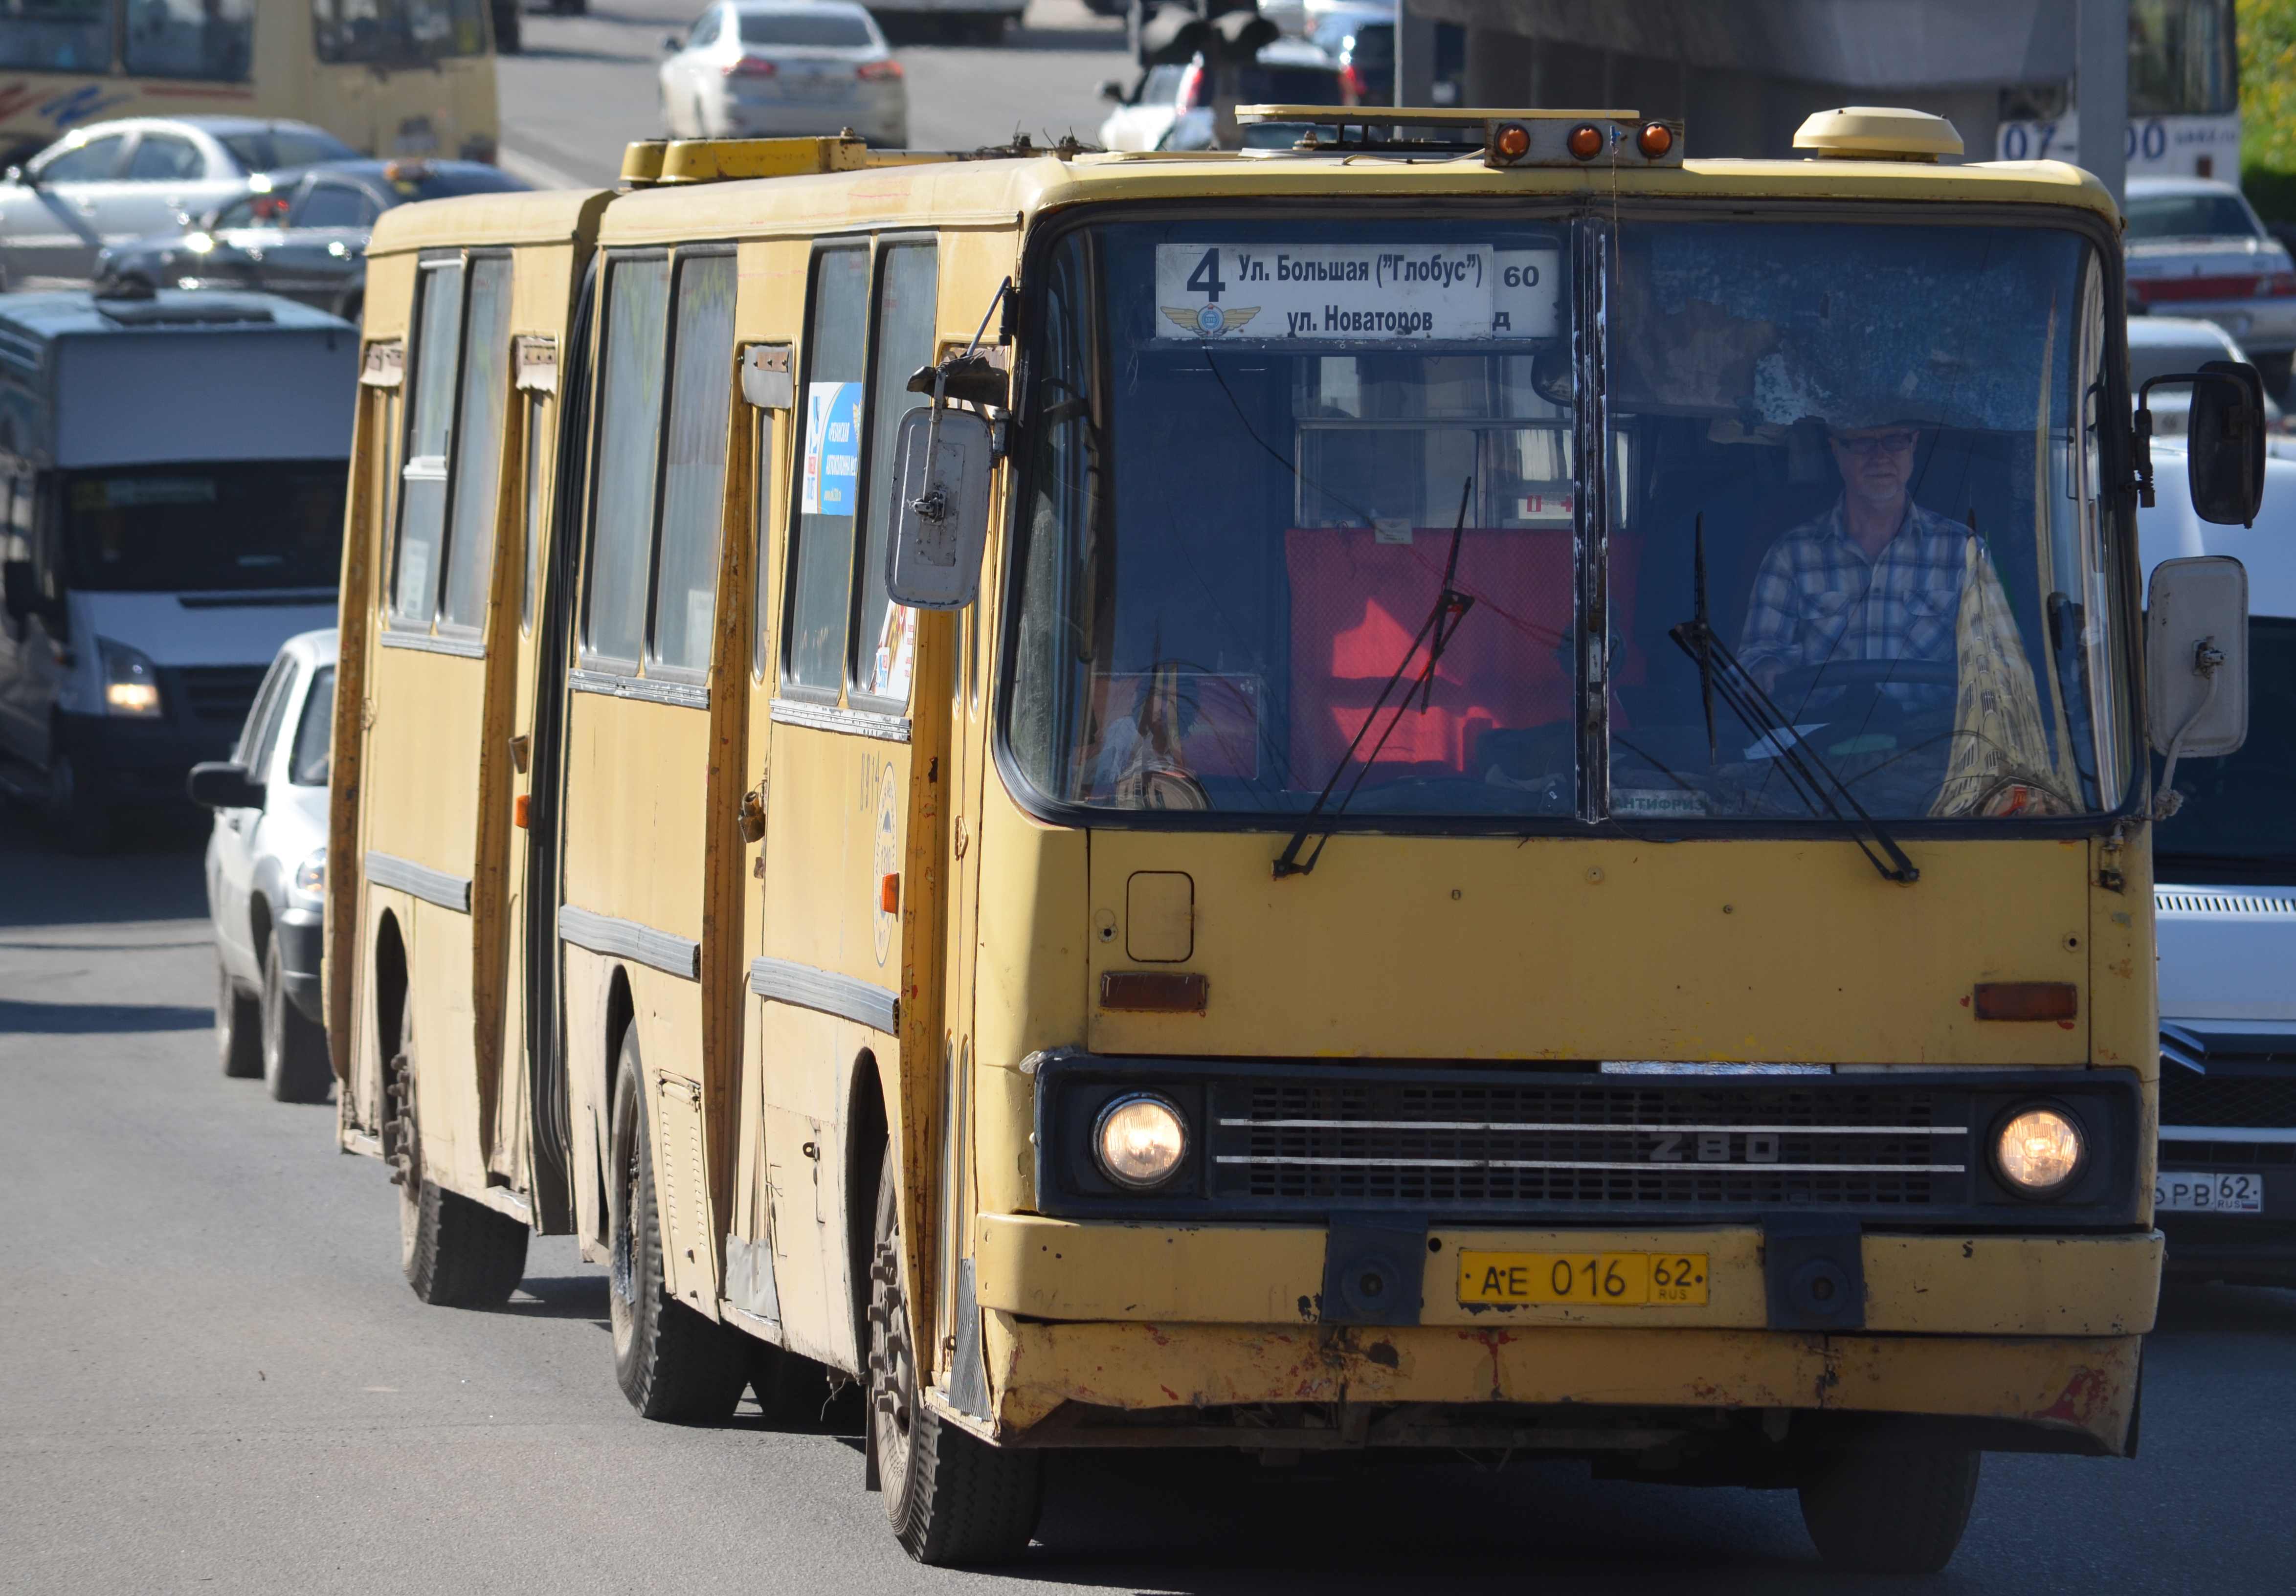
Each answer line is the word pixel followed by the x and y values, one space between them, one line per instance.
pixel 2182 1192
pixel 1611 1280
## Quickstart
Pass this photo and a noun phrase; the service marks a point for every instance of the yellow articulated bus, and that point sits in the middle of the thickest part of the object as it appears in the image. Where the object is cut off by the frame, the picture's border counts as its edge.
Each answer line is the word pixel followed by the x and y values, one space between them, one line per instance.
pixel 1447 783
pixel 388 77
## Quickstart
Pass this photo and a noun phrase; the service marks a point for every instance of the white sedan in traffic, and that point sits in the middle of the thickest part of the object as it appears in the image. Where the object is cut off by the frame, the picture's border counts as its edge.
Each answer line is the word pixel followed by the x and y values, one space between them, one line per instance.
pixel 757 68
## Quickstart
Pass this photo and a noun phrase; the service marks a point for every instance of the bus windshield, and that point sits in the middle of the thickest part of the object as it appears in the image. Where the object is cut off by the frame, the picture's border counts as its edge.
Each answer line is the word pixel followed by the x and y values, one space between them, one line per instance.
pixel 205 527
pixel 2236 824
pixel 1262 453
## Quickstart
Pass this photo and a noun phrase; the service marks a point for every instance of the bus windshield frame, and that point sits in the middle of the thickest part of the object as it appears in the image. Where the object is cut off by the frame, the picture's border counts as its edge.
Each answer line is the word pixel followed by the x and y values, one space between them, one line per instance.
pixel 1086 760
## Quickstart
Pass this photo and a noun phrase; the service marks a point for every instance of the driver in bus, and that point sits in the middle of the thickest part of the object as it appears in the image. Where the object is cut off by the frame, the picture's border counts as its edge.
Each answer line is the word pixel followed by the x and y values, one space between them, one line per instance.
pixel 1875 578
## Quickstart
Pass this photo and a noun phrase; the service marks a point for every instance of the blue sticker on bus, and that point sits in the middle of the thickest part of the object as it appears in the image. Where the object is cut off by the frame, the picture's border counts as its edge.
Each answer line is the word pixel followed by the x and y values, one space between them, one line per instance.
pixel 832 447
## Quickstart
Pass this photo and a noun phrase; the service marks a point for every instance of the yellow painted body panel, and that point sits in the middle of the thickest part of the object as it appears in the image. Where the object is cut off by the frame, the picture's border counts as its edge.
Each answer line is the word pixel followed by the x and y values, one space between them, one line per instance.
pixel 1498 948
pixel 1273 1274
pixel 2084 1385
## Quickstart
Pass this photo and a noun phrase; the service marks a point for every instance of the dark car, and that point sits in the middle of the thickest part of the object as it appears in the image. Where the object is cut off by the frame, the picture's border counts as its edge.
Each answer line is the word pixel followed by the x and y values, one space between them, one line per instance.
pixel 1365 47
pixel 300 233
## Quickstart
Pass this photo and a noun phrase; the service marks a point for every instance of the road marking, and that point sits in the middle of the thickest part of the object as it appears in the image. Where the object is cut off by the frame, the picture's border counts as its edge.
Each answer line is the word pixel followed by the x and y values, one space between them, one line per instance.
pixel 539 173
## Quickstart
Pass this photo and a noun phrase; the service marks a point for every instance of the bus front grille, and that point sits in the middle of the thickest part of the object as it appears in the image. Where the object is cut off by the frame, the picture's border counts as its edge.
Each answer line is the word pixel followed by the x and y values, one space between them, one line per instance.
pixel 1601 1142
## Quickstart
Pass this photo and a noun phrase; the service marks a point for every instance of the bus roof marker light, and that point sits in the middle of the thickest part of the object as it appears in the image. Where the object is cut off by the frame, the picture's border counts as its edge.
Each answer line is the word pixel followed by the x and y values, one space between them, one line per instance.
pixel 1877 132
pixel 1654 140
pixel 1510 143
pixel 1585 142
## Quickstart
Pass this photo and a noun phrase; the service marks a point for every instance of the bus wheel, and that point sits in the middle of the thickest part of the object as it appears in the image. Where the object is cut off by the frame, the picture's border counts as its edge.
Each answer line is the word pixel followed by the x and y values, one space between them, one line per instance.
pixel 1890 1510
pixel 295 1066
pixel 236 1041
pixel 953 1499
pixel 672 1363
pixel 456 1253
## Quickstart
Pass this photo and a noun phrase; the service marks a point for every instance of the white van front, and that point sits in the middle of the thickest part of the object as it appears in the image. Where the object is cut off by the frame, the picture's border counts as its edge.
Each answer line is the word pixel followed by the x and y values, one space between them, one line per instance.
pixel 175 470
pixel 2225 908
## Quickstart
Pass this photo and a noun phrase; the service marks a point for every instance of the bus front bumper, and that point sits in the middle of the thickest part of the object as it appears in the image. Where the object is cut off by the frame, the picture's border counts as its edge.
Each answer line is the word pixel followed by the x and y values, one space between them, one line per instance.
pixel 2035 1339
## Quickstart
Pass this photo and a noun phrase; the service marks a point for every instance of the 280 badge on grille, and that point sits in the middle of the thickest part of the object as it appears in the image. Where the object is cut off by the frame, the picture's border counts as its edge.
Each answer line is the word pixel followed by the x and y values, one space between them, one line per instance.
pixel 1608 1279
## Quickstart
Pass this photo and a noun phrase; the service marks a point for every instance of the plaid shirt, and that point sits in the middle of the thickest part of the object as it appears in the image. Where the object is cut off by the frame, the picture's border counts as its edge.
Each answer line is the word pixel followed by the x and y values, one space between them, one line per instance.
pixel 1817 598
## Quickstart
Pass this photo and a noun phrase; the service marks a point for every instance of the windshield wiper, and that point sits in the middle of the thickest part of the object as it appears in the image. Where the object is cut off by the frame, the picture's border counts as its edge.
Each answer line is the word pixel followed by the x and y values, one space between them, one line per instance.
pixel 1813 780
pixel 1441 624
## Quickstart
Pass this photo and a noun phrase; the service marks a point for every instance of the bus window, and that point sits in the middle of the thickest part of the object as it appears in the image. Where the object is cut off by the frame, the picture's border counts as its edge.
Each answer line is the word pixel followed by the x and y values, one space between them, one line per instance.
pixel 430 418
pixel 537 411
pixel 908 283
pixel 693 477
pixel 476 469
pixel 56 36
pixel 821 548
pixel 395 32
pixel 211 41
pixel 629 452
pixel 1243 502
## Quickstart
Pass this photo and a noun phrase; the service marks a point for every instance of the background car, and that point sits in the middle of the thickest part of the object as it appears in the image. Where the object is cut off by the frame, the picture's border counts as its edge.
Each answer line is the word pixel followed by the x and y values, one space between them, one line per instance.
pixel 1309 19
pixel 1170 107
pixel 300 233
pixel 266 872
pixel 111 181
pixel 1363 44
pixel 2161 345
pixel 2195 249
pixel 792 68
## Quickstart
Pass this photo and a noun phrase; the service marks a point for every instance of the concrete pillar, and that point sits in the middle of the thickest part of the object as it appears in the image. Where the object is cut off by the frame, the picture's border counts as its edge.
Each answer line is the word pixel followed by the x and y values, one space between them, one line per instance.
pixel 2100 87
pixel 1415 55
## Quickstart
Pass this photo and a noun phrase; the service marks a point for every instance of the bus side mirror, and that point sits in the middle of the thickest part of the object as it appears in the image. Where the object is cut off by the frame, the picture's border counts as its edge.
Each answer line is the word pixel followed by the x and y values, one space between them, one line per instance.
pixel 220 784
pixel 941 513
pixel 2224 449
pixel 2196 657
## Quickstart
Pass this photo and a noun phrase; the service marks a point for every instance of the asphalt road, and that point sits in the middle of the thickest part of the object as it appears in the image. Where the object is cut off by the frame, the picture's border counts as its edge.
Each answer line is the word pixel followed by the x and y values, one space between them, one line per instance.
pixel 585 86
pixel 212 1377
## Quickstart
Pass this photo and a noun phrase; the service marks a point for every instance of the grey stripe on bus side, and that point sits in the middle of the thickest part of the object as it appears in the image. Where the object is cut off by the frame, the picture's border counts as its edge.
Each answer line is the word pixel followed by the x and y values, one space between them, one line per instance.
pixel 432 885
pixel 825 992
pixel 628 939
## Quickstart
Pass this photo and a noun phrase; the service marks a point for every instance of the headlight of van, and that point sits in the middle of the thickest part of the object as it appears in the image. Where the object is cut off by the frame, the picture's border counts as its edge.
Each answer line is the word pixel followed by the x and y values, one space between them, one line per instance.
pixel 2040 1150
pixel 311 875
pixel 1140 1140
pixel 131 681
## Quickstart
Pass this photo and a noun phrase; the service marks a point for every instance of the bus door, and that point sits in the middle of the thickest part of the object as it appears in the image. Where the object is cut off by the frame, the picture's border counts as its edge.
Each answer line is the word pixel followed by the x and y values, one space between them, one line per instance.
pixel 421 766
pixel 842 913
pixel 640 844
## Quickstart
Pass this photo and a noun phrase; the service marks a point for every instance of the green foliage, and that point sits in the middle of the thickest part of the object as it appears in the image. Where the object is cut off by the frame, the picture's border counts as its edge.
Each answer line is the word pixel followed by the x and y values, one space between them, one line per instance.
pixel 2267 106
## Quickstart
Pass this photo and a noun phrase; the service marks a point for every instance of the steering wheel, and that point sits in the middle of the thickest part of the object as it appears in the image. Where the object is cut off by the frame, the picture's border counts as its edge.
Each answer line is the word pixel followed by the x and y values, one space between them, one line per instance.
pixel 1791 692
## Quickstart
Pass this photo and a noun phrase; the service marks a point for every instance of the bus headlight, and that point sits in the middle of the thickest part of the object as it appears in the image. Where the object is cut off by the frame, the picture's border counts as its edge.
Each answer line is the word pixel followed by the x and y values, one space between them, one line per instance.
pixel 2038 1150
pixel 131 681
pixel 1140 1140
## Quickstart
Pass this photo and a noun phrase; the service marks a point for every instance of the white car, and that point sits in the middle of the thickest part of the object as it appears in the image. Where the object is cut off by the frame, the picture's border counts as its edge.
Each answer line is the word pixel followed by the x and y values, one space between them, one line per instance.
pixel 266 869
pixel 2195 249
pixel 1170 107
pixel 2160 345
pixel 762 69
pixel 2224 924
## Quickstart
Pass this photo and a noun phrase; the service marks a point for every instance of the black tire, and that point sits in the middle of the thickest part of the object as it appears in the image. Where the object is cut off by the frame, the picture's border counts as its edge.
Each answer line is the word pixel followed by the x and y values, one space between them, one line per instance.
pixel 239 1043
pixel 953 1499
pixel 671 1362
pixel 456 1253
pixel 295 1066
pixel 1880 1509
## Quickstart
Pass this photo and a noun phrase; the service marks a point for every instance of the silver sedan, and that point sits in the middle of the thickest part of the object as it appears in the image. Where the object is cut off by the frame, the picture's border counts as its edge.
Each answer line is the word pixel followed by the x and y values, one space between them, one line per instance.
pixel 790 68
pixel 111 181
pixel 2196 249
